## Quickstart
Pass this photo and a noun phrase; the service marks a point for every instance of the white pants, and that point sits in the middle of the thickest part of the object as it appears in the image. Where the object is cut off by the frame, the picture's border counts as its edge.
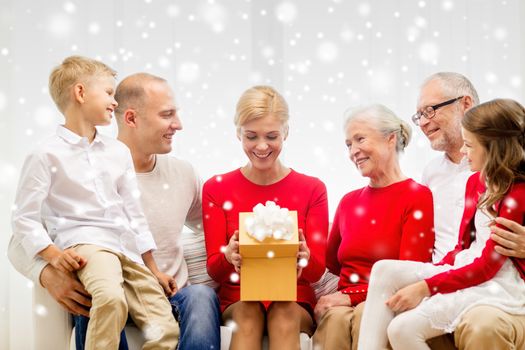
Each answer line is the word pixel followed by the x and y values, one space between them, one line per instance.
pixel 409 330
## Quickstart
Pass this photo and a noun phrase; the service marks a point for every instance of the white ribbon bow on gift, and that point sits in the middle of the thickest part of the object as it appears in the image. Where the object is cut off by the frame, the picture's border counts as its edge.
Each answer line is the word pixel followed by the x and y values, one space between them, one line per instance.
pixel 269 220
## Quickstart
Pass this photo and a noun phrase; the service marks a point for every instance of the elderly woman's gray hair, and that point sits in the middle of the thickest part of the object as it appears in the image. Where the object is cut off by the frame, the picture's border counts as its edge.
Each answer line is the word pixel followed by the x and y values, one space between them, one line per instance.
pixel 384 120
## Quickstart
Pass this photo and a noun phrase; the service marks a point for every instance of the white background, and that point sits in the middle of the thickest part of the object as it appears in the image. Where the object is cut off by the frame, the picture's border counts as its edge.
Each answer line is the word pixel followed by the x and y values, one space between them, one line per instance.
pixel 323 55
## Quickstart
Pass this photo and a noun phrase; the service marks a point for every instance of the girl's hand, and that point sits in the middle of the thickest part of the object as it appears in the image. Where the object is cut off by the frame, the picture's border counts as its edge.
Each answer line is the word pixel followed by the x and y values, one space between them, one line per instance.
pixel 409 297
pixel 232 252
pixel 511 242
pixel 168 283
pixel 303 255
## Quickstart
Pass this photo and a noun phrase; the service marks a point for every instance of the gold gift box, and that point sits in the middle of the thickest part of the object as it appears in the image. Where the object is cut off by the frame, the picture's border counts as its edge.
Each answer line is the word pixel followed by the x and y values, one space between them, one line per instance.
pixel 269 268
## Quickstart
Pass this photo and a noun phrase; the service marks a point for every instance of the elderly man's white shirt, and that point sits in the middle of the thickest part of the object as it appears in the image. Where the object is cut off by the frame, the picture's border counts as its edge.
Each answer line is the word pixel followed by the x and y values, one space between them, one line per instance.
pixel 447 181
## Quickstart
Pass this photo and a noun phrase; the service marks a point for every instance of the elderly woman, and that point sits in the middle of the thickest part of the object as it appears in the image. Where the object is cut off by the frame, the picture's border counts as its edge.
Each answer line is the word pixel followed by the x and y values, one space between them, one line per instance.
pixel 391 218
pixel 262 126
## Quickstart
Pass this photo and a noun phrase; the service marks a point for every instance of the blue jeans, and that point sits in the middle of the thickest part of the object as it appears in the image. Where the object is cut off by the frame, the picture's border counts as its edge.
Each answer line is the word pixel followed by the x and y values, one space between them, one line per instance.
pixel 195 307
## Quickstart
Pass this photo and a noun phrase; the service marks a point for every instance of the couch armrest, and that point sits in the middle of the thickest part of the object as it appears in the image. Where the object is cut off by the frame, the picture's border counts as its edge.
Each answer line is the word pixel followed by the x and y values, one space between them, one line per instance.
pixel 51 323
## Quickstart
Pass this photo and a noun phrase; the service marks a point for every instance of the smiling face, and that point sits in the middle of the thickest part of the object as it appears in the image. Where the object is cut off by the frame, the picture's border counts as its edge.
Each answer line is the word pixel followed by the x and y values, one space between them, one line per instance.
pixel 157 119
pixel 473 150
pixel 444 129
pixel 262 141
pixel 99 99
pixel 369 149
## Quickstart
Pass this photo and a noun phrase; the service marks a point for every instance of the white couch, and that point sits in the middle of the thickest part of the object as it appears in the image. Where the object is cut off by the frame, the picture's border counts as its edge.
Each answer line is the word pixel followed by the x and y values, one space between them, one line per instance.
pixel 53 327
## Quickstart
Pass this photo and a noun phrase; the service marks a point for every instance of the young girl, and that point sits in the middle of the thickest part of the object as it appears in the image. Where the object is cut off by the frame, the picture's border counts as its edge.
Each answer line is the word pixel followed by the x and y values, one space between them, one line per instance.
pixel 431 299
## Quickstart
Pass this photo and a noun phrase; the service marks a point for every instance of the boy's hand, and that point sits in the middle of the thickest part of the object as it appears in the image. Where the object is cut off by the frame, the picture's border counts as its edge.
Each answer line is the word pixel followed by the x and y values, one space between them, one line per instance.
pixel 68 261
pixel 168 283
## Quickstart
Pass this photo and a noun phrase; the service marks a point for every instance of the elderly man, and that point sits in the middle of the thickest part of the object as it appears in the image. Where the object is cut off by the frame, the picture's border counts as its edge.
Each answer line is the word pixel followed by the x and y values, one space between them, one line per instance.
pixel 171 198
pixel 443 100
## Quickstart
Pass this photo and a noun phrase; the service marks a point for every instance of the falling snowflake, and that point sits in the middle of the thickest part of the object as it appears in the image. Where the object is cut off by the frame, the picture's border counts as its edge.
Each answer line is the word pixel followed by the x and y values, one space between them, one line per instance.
pixel 429 52
pixel 60 26
pixel 327 52
pixel 153 332
pixel 188 72
pixel 94 28
pixel 511 203
pixel 41 310
pixel 234 277
pixel 354 278
pixel 363 9
pixel 303 262
pixel 232 325
pixel 418 214
pixel 270 254
pixel 227 205
pixel 286 12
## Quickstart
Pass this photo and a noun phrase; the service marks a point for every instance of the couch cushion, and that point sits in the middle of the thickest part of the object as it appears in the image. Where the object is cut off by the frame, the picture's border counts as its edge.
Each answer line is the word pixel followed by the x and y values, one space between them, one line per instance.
pixel 195 256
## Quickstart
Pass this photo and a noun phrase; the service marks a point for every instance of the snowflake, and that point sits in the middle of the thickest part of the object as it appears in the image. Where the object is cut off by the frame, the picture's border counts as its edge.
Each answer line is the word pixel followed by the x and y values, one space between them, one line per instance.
pixel 286 12
pixel 227 205
pixel 327 52
pixel 418 214
pixel 60 26
pixel 232 325
pixel 153 332
pixel 429 52
pixel 188 72
pixel 303 262
pixel 94 28
pixel 41 310
pixel 354 278
pixel 45 116
pixel 234 277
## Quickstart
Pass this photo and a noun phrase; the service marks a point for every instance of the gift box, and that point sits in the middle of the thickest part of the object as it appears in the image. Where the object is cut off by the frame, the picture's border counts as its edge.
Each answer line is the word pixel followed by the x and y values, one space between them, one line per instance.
pixel 269 267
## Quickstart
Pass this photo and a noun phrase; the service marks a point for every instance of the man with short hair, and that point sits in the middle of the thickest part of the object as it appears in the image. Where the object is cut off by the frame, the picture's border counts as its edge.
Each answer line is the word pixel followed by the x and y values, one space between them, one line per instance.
pixel 171 198
pixel 444 99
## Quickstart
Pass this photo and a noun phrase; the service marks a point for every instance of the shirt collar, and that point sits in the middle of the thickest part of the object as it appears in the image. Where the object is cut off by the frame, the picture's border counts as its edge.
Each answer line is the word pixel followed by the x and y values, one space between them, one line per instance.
pixel 75 139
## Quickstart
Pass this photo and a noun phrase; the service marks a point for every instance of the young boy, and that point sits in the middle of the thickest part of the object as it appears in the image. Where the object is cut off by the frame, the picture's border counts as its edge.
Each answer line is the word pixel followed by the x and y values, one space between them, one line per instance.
pixel 77 208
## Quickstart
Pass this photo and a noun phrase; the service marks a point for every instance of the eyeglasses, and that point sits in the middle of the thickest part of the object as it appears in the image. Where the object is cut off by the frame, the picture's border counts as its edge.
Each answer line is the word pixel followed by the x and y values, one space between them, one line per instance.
pixel 429 112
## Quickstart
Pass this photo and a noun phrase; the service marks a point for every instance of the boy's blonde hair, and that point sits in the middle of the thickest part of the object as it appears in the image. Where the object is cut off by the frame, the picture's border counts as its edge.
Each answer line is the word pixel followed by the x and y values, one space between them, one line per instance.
pixel 71 71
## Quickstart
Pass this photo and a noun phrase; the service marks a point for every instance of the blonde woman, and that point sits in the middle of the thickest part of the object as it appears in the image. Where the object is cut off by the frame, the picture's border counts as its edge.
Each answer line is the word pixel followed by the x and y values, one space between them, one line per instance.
pixel 262 127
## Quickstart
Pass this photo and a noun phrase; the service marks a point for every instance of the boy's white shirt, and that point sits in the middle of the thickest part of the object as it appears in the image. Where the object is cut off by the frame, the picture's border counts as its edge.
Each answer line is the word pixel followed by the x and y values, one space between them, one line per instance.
pixel 75 192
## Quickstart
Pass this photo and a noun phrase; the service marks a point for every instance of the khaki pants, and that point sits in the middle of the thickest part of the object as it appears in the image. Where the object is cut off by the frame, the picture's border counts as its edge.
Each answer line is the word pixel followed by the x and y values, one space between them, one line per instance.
pixel 486 328
pixel 117 286
pixel 339 328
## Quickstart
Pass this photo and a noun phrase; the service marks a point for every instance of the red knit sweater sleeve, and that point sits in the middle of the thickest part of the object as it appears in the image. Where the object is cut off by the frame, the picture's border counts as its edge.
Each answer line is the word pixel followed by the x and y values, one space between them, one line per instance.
pixel 315 233
pixel 214 221
pixel 417 238
pixel 488 264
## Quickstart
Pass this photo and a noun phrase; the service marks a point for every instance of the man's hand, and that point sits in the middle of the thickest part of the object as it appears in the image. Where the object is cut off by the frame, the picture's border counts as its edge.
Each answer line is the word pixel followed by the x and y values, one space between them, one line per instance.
pixel 409 297
pixel 510 242
pixel 327 301
pixel 67 290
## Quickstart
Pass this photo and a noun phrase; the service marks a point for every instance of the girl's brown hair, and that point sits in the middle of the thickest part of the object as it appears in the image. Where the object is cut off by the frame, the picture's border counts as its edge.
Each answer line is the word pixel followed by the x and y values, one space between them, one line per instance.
pixel 499 126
